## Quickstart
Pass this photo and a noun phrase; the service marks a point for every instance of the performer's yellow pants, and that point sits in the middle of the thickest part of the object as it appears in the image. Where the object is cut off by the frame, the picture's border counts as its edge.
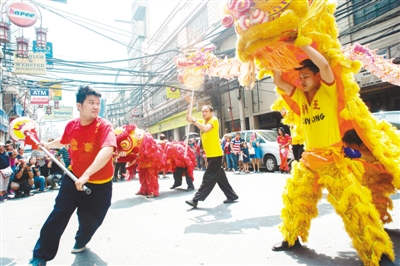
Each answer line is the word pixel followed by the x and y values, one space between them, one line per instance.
pixel 352 201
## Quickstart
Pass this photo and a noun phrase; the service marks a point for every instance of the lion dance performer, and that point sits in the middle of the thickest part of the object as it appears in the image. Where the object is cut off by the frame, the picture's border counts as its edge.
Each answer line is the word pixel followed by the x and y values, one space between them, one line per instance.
pixel 140 148
pixel 372 173
pixel 179 164
pixel 276 37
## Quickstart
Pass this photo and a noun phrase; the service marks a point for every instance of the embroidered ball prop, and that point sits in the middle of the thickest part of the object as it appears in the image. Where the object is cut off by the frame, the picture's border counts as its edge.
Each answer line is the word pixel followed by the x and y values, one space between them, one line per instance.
pixel 20 126
pixel 24 129
pixel 192 67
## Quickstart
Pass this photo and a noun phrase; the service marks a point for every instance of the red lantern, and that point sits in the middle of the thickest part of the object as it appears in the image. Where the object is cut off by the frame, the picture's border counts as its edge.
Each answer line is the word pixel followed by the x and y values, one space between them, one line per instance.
pixel 41 37
pixel 4 28
pixel 22 47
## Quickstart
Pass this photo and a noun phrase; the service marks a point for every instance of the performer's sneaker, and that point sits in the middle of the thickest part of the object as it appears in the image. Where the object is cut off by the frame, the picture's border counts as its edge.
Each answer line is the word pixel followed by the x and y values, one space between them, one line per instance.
pixel 37 262
pixel 191 203
pixel 78 250
pixel 284 245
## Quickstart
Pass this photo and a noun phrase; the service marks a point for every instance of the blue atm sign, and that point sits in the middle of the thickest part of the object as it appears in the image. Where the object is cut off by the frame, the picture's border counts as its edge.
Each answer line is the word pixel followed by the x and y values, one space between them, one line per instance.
pixel 39 96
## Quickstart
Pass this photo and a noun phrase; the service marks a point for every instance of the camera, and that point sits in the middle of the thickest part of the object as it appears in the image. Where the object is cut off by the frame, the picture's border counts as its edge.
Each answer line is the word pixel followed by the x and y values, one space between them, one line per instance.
pixel 29 164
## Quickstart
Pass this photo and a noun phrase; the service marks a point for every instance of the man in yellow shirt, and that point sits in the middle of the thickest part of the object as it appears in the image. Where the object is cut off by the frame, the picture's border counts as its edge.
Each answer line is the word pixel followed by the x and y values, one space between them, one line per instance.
pixel 322 166
pixel 214 174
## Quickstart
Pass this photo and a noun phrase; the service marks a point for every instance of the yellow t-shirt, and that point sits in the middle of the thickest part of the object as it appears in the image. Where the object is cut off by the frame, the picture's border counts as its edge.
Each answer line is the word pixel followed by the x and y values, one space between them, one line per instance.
pixel 210 140
pixel 319 119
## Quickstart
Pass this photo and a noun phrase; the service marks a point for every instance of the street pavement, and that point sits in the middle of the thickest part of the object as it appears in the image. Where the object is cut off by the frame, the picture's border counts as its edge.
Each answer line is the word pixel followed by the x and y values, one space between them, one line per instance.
pixel 166 231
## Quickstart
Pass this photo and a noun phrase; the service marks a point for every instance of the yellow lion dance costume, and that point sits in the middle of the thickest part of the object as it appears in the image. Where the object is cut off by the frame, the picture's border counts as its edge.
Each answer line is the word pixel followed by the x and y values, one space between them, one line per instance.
pixel 263 28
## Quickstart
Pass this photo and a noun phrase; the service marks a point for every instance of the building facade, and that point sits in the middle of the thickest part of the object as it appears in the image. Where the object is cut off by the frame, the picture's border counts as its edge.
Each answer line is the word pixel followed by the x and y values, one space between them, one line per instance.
pixel 375 24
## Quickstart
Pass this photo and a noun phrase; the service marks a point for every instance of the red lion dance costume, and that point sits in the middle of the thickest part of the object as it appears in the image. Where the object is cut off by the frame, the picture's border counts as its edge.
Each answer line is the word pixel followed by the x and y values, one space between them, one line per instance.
pixel 141 149
pixel 175 153
pixel 264 29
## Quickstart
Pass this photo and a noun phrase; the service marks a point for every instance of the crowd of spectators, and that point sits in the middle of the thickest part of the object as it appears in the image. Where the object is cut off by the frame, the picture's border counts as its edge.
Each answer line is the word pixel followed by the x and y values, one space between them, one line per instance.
pixel 238 154
pixel 28 176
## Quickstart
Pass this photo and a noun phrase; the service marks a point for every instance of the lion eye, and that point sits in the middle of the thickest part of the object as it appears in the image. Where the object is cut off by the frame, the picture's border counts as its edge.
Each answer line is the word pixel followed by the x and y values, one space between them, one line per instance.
pixel 125 144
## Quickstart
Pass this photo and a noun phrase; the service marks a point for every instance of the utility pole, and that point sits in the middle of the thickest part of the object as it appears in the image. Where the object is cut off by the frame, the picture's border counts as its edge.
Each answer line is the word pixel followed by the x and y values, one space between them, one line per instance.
pixel 241 108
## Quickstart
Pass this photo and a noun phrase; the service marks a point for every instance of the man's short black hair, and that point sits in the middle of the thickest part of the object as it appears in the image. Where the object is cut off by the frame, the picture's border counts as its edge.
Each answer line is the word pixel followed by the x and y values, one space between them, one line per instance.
pixel 307 63
pixel 209 107
pixel 84 91
pixel 351 137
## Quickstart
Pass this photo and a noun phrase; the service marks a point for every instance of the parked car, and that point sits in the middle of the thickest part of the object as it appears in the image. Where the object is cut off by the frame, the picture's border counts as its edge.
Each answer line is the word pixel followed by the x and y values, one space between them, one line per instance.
pixel 393 117
pixel 269 147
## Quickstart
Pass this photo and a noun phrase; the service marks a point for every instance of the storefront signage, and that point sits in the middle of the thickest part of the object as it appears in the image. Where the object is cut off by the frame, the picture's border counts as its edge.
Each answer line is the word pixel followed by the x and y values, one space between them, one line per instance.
pixel 55 88
pixel 175 121
pixel 63 114
pixel 22 14
pixel 135 112
pixel 39 96
pixel 34 64
pixel 48 51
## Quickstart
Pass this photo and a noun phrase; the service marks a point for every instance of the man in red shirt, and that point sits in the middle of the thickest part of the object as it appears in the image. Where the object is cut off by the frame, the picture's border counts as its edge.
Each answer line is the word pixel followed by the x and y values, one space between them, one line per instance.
pixel 92 143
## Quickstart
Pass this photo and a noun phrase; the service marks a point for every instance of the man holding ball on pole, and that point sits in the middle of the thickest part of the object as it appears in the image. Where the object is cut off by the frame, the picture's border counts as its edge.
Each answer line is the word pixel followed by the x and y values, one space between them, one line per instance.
pixel 92 143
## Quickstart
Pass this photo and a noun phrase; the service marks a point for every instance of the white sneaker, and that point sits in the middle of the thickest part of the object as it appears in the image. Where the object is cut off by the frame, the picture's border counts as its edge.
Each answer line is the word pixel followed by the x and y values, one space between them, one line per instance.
pixel 237 172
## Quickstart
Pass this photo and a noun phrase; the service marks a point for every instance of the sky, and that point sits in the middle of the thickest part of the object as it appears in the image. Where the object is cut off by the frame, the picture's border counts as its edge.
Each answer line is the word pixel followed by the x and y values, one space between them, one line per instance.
pixel 72 42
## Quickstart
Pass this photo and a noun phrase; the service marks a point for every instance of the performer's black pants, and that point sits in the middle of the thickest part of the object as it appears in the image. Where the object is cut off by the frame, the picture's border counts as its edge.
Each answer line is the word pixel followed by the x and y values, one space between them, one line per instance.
pixel 214 174
pixel 119 167
pixel 298 150
pixel 91 211
pixel 178 177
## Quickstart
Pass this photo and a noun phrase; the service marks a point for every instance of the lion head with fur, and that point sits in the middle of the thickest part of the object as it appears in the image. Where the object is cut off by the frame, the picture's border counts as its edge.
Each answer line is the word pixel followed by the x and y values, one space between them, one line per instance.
pixel 270 31
pixel 129 139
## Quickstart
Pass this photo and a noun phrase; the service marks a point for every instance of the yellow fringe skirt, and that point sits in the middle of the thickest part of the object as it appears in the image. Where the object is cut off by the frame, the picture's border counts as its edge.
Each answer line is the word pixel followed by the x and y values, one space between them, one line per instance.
pixel 351 200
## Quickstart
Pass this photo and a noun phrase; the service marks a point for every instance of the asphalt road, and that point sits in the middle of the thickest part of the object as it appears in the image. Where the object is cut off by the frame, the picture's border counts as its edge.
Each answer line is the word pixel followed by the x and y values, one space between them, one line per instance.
pixel 166 231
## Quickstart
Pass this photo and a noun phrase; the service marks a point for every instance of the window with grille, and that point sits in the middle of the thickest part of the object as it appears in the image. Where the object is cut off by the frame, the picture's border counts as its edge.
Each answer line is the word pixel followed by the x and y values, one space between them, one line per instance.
pixel 197 26
pixel 367 10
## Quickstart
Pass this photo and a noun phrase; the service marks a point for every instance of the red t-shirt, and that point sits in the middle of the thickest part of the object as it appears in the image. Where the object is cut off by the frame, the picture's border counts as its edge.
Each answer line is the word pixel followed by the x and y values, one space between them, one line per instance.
pixel 85 143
